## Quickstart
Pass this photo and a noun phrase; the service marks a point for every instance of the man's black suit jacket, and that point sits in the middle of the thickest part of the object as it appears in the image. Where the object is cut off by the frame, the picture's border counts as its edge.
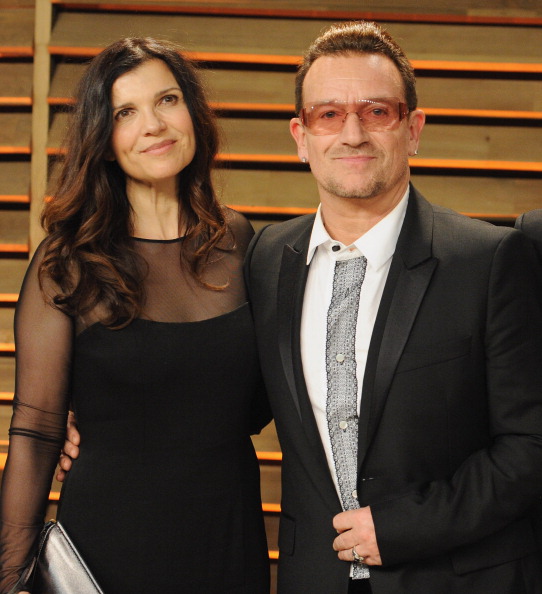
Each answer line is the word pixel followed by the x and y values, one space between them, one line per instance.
pixel 531 224
pixel 450 429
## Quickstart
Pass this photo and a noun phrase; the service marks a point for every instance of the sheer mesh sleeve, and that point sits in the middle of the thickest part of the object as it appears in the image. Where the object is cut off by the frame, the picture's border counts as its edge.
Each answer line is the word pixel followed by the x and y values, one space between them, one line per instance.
pixel 43 338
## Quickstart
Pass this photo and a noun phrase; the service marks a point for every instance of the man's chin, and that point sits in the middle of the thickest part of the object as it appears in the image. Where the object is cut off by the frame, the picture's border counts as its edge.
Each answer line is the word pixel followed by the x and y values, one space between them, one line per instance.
pixel 356 192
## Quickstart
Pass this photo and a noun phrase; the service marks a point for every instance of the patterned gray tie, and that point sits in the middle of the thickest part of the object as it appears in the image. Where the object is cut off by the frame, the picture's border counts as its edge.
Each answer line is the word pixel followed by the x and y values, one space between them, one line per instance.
pixel 342 383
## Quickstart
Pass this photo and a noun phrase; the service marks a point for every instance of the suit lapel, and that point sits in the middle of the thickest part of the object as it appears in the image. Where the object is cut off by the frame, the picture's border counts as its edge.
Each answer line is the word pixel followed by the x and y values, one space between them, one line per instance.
pixel 292 281
pixel 410 273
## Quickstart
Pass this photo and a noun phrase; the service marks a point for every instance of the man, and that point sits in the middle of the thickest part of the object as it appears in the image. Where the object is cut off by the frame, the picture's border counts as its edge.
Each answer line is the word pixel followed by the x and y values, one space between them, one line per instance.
pixel 531 224
pixel 401 345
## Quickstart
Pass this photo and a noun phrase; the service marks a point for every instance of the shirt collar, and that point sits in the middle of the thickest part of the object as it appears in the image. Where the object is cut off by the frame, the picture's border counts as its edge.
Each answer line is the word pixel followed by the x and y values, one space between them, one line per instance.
pixel 377 244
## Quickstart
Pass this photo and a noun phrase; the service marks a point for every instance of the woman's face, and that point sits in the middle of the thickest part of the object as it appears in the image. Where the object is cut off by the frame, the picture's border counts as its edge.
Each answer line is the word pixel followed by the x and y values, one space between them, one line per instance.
pixel 153 136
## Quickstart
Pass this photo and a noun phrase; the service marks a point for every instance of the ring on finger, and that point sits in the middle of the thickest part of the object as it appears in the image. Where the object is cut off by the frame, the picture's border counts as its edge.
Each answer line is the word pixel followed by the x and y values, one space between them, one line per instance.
pixel 357 558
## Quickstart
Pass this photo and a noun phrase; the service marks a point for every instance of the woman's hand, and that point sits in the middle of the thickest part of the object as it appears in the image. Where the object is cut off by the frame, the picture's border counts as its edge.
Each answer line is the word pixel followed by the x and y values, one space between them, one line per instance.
pixel 71 448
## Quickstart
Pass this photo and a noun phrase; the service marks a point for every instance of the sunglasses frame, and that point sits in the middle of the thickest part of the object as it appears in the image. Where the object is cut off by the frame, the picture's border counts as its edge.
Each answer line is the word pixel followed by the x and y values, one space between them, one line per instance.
pixel 402 110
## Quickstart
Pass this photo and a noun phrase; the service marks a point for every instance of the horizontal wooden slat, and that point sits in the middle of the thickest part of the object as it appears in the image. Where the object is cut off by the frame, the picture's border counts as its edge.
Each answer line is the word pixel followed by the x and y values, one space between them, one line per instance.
pixel 7 348
pixel 13 248
pixel 11 199
pixel 281 41
pixel 269 456
pixel 16 31
pixel 271 508
pixel 16 87
pixel 418 12
pixel 289 109
pixel 477 67
pixel 7 374
pixel 272 83
pixel 8 298
pixel 15 101
pixel 418 163
pixel 10 149
pixel 270 211
pixel 227 57
pixel 15 133
pixel 293 60
pixel 284 213
pixel 14 51
pixel 477 165
pixel 6 397
pixel 263 192
pixel 14 229
pixel 264 88
pixel 14 180
pixel 465 191
pixel 481 113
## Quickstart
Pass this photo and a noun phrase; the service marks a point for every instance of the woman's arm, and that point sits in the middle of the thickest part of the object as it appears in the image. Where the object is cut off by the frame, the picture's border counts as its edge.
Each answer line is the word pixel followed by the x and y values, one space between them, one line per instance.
pixel 43 339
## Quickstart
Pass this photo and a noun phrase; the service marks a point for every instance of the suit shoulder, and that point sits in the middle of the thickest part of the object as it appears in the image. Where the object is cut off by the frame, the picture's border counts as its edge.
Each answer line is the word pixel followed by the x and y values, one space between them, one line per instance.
pixel 531 220
pixel 530 223
pixel 457 223
pixel 458 236
pixel 288 231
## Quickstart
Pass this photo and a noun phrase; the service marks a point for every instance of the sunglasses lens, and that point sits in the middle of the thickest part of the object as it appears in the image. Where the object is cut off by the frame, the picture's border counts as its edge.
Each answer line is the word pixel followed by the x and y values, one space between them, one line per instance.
pixel 329 118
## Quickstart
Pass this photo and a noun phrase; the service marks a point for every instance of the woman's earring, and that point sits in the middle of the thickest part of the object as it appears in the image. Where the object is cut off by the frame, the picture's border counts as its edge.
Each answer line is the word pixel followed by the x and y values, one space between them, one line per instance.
pixel 303 159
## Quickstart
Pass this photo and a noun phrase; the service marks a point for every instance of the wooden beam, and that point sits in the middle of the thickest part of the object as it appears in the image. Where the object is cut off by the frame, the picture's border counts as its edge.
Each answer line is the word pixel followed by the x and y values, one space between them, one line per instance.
pixel 269 456
pixel 8 298
pixel 289 108
pixel 293 61
pixel 13 248
pixel 467 66
pixel 15 101
pixel 314 13
pixel 476 164
pixel 500 114
pixel 271 508
pixel 14 199
pixel 15 150
pixel 16 51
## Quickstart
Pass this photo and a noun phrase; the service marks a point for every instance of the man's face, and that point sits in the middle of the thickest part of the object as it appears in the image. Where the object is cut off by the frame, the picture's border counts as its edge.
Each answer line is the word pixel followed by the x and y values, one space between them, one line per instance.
pixel 357 163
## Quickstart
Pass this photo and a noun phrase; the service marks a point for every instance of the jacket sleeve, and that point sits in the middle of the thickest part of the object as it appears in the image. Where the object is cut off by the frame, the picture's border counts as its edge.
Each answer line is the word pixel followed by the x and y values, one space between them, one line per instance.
pixel 497 485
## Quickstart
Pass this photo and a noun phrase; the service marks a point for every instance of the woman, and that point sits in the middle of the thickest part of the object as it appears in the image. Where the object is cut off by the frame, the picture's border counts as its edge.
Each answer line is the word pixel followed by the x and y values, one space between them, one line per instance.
pixel 134 311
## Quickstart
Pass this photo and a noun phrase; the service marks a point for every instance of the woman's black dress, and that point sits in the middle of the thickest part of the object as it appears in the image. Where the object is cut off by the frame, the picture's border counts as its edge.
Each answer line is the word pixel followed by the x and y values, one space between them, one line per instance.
pixel 165 494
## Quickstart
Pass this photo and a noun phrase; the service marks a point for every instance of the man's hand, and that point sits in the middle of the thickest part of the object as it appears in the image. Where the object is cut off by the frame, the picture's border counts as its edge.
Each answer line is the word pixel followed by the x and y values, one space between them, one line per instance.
pixel 356 529
pixel 71 448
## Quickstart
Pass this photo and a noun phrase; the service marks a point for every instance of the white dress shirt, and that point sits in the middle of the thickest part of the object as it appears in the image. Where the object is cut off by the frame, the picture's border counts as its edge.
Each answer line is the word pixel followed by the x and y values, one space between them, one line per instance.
pixel 378 246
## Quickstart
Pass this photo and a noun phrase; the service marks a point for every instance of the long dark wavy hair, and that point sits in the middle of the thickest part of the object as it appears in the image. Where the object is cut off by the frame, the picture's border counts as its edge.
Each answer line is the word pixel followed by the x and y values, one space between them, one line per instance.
pixel 88 252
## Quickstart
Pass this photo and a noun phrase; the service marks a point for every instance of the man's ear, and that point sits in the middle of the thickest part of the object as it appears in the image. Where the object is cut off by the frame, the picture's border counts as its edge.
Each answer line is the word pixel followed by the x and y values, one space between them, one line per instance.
pixel 416 121
pixel 297 130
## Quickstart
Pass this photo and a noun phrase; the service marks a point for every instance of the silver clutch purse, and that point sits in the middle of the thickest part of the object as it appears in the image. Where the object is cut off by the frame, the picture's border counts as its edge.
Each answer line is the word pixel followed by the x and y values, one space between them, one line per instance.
pixel 57 568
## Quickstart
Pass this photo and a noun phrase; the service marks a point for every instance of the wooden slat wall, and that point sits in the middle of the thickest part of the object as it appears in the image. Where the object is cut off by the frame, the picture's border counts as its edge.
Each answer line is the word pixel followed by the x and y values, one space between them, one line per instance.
pixel 479 68
pixel 16 71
